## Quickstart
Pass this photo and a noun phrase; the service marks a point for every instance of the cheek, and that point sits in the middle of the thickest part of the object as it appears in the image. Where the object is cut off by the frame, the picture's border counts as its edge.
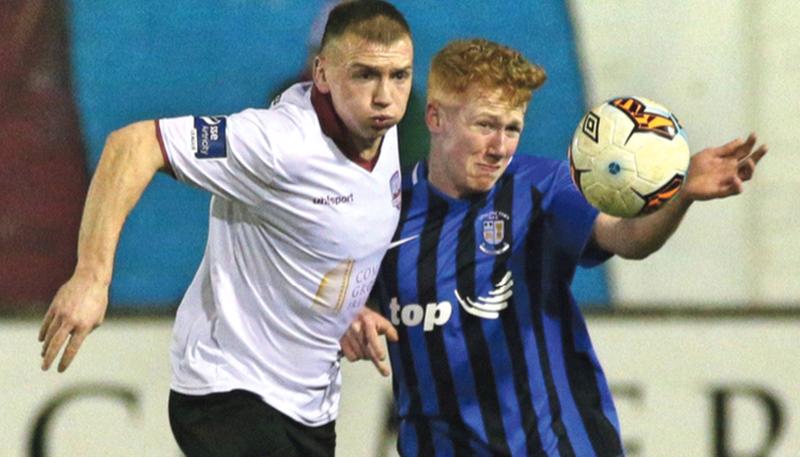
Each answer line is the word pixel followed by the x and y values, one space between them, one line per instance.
pixel 353 100
pixel 402 93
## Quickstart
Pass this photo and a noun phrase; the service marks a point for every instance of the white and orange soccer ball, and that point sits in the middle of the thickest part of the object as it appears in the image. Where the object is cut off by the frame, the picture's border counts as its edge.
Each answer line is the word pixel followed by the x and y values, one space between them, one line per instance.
pixel 629 156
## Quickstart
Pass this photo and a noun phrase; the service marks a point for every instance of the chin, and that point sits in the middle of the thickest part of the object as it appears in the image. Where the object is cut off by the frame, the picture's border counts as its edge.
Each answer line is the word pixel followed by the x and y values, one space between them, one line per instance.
pixel 481 188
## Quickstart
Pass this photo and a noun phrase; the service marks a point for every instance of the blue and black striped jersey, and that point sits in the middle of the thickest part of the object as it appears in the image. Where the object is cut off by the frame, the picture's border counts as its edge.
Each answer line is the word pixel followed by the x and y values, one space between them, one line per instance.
pixel 494 358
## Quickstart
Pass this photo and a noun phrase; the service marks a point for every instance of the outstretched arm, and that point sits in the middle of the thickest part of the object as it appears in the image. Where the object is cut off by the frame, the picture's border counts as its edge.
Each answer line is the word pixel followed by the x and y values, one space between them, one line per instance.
pixel 717 172
pixel 129 161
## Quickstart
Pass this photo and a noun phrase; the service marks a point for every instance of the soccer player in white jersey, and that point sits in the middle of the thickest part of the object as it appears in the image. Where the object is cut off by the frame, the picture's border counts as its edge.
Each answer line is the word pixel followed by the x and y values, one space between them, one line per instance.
pixel 306 197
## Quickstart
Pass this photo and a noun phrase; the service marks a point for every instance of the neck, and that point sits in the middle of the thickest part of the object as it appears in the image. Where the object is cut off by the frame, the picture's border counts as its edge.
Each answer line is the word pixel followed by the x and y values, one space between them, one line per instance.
pixel 333 126
pixel 437 177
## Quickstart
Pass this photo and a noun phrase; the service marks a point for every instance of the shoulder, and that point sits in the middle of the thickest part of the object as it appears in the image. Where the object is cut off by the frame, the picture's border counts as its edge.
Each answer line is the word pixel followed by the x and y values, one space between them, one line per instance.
pixel 290 118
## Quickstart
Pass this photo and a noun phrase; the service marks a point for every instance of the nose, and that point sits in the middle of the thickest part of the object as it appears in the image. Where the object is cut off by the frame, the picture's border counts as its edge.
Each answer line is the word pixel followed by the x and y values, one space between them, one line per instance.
pixel 382 97
pixel 498 144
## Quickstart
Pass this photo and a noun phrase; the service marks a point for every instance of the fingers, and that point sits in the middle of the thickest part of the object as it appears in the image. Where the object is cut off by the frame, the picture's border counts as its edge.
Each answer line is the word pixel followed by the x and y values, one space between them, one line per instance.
pixel 391 333
pixel 56 336
pixel 363 340
pixel 384 327
pixel 755 155
pixel 747 147
pixel 738 148
pixel 351 343
pixel 48 318
pixel 375 350
pixel 747 166
pixel 382 367
pixel 730 147
pixel 760 153
pixel 348 349
pixel 74 344
pixel 737 186
pixel 50 331
pixel 373 343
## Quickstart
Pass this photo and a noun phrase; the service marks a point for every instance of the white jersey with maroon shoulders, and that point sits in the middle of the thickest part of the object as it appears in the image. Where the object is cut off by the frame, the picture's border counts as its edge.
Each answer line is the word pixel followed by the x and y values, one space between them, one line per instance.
pixel 296 235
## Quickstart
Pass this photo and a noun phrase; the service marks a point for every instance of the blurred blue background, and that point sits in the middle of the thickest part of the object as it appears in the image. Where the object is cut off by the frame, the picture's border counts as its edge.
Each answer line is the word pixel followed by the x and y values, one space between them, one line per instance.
pixel 150 59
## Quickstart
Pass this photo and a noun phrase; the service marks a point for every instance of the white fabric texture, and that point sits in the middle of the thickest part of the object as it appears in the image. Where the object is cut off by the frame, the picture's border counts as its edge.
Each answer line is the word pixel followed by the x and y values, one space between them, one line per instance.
pixel 297 232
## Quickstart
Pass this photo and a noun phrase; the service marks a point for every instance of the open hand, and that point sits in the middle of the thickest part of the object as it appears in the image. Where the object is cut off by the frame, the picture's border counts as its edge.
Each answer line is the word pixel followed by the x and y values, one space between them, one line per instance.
pixel 720 172
pixel 78 308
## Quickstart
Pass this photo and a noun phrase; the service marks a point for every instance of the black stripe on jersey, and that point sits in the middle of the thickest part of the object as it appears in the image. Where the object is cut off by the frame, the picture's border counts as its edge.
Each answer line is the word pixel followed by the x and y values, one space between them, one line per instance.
pixel 534 267
pixel 585 391
pixel 424 438
pixel 478 349
pixel 426 293
pixel 504 201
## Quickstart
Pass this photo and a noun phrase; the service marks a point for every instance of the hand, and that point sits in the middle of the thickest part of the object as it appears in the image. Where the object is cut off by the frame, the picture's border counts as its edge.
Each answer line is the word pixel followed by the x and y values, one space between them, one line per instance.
pixel 362 340
pixel 721 171
pixel 78 308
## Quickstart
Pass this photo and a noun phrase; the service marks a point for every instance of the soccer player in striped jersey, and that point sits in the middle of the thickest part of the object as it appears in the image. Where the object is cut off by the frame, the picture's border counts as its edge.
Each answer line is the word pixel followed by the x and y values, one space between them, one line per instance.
pixel 493 356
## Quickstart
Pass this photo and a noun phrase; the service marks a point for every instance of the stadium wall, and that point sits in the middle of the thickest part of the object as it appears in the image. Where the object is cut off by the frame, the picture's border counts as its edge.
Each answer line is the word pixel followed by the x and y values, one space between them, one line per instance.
pixel 685 384
pixel 726 68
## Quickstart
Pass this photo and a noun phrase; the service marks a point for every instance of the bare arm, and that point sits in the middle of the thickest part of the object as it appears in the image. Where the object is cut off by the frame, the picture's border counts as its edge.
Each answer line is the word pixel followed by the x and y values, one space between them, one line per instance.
pixel 713 173
pixel 129 161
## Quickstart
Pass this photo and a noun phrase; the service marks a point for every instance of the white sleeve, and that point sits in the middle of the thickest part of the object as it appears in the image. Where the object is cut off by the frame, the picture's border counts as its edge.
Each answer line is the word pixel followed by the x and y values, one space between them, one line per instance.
pixel 230 156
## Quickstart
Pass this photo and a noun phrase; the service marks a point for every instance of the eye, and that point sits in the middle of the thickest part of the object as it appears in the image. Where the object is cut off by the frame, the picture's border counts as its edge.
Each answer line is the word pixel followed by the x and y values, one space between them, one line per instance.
pixel 364 74
pixel 485 125
pixel 401 75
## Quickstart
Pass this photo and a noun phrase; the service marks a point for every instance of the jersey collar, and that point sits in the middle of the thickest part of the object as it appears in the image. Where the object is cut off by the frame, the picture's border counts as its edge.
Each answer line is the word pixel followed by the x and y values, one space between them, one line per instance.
pixel 333 126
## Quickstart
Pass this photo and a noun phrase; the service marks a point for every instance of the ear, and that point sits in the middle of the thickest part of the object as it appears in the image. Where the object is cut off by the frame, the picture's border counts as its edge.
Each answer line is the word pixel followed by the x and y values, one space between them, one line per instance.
pixel 433 117
pixel 320 76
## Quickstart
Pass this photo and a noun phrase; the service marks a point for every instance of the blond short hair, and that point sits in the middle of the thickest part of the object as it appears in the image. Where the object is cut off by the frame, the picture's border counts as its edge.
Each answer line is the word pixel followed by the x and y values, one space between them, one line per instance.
pixel 375 21
pixel 484 65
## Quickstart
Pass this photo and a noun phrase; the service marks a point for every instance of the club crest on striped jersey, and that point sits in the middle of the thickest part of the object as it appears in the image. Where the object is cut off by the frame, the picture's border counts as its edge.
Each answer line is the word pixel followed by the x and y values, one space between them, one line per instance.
pixel 394 186
pixel 494 225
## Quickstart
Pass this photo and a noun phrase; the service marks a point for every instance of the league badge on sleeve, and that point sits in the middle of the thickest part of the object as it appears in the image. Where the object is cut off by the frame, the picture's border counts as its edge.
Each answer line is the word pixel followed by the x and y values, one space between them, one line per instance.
pixel 208 137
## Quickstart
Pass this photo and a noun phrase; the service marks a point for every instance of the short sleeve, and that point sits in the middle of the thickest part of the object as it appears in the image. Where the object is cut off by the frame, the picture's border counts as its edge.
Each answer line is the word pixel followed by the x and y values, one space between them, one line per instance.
pixel 230 156
pixel 572 219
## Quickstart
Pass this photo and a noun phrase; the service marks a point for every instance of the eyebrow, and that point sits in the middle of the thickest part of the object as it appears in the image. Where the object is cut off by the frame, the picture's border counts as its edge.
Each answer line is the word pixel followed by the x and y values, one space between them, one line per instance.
pixel 516 123
pixel 363 66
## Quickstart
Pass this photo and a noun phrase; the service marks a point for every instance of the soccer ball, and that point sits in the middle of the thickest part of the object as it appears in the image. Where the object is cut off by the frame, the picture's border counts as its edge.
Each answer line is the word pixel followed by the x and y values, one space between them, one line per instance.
pixel 629 156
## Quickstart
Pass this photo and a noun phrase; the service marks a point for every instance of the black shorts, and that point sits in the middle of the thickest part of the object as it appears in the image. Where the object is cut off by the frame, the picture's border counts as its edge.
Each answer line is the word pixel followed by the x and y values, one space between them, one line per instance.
pixel 240 424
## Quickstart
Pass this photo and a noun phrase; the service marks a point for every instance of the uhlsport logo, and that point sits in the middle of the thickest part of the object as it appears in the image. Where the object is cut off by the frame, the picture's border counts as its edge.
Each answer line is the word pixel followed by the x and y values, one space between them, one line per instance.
pixel 333 200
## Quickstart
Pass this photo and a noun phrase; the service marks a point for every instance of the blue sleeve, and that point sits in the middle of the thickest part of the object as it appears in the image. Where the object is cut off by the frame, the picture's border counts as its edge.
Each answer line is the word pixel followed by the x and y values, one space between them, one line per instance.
pixel 571 219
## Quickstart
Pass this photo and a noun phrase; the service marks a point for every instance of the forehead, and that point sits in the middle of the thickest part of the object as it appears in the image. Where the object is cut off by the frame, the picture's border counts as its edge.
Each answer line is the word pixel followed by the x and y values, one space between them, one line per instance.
pixel 491 103
pixel 353 50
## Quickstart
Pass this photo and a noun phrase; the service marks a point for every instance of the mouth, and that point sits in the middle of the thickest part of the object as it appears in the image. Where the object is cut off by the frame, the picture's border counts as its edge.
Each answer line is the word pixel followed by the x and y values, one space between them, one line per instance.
pixel 382 122
pixel 487 168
